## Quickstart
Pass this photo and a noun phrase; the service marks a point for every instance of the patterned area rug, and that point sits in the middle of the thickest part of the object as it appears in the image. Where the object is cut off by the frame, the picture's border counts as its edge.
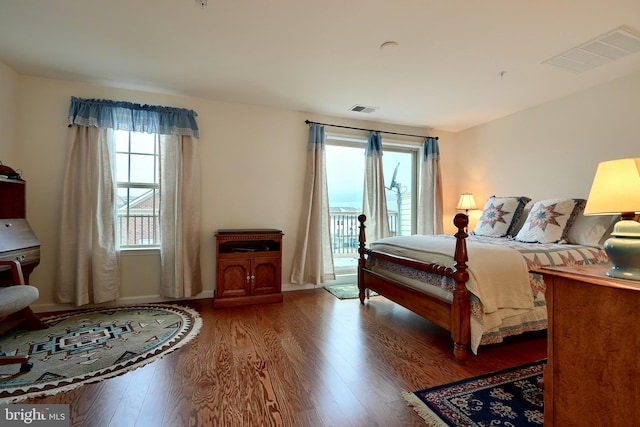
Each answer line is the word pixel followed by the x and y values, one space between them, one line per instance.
pixel 506 398
pixel 346 291
pixel 90 345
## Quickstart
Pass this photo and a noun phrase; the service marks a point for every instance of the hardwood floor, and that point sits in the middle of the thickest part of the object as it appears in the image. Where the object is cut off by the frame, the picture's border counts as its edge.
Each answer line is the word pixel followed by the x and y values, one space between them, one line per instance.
pixel 313 360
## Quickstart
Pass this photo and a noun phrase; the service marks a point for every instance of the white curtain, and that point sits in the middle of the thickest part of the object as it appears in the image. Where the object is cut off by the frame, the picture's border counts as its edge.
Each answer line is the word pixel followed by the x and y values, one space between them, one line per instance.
pixel 375 201
pixel 313 261
pixel 88 265
pixel 430 200
pixel 180 217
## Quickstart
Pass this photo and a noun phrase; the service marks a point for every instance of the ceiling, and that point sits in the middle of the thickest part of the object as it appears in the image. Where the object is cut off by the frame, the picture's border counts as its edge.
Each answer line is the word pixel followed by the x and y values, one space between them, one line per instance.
pixel 457 63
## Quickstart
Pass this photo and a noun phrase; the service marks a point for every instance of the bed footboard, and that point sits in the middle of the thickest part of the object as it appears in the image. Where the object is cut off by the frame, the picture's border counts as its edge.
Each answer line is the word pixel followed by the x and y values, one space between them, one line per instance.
pixel 453 316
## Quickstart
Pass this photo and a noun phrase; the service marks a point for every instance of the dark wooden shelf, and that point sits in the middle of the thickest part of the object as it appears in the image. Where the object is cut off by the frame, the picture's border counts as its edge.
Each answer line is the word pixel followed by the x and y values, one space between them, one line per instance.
pixel 248 267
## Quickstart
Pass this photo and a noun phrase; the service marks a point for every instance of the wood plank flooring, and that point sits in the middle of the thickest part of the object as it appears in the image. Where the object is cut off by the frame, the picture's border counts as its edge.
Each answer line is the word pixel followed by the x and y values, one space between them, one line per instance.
pixel 313 360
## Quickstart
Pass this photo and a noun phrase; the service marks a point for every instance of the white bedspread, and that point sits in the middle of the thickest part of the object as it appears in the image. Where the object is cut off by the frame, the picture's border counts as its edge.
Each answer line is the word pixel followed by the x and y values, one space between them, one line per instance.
pixel 498 275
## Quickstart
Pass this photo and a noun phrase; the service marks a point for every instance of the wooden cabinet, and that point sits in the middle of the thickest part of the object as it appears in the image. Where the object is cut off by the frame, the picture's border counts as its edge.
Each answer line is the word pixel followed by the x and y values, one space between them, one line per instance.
pixel 249 267
pixel 592 375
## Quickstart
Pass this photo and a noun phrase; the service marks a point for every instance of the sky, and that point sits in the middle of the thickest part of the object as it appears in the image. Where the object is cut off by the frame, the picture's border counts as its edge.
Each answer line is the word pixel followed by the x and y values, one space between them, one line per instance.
pixel 345 175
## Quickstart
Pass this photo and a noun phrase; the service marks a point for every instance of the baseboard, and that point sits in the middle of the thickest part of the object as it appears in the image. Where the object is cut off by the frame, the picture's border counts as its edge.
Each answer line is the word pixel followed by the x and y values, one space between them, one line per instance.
pixel 286 287
pixel 148 299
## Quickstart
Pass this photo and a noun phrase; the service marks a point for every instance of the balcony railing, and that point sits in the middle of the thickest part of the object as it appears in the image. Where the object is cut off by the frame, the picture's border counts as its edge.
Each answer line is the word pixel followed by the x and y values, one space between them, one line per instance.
pixel 344 231
pixel 138 230
pixel 144 230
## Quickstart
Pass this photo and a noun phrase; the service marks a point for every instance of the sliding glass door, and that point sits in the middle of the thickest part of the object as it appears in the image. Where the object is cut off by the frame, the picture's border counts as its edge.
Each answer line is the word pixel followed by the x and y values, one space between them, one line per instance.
pixel 345 180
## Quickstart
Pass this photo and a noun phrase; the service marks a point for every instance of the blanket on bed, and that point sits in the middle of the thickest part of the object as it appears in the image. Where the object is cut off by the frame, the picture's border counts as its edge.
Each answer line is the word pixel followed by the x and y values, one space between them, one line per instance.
pixel 498 275
pixel 487 326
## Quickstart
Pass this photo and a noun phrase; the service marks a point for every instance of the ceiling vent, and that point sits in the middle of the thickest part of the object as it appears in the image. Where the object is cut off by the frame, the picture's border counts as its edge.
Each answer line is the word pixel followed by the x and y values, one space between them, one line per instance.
pixel 606 48
pixel 363 109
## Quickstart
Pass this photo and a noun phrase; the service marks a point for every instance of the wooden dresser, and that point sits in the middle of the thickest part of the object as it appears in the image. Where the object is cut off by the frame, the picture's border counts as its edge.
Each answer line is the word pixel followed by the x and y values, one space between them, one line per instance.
pixel 17 240
pixel 249 267
pixel 593 372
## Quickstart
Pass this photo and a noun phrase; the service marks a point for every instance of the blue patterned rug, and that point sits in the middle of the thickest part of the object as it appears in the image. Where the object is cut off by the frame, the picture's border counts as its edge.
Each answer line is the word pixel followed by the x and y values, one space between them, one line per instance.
pixel 510 397
pixel 86 346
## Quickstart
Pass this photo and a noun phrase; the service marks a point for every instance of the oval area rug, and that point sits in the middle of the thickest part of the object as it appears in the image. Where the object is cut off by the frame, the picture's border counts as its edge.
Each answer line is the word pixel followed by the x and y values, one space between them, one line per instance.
pixel 87 346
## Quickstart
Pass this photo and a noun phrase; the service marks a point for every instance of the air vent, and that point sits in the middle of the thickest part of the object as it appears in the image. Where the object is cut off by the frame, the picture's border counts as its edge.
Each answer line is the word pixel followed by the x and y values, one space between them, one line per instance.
pixel 606 48
pixel 363 109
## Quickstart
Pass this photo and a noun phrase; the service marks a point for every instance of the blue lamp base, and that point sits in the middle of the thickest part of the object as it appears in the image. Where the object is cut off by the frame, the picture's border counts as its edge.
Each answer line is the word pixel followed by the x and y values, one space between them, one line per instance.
pixel 623 249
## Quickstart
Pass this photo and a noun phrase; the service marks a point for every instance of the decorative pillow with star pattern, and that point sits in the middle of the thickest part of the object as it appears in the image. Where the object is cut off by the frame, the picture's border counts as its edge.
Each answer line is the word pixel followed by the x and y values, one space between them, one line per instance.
pixel 500 215
pixel 549 220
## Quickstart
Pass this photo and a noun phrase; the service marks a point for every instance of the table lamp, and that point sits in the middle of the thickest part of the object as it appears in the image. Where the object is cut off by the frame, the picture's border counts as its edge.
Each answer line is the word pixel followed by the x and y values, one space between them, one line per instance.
pixel 616 190
pixel 466 203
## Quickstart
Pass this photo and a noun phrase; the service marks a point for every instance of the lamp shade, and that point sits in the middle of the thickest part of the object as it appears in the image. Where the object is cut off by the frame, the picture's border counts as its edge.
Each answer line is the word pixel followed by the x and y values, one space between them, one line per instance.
pixel 615 188
pixel 466 202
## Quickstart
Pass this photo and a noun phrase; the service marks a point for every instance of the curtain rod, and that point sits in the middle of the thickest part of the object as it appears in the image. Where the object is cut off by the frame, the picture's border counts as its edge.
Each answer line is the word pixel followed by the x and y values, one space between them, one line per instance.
pixel 370 130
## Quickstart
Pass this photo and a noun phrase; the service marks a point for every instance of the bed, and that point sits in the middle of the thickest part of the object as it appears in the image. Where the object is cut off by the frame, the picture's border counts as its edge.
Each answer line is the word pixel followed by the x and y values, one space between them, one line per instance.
pixel 478 285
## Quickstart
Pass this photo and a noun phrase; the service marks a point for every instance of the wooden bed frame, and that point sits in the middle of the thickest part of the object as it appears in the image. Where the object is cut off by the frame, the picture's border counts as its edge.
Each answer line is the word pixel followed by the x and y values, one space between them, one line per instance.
pixel 453 316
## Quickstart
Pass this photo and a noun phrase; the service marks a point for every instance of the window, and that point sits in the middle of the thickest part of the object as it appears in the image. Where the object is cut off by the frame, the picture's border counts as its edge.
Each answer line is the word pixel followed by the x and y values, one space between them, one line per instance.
pixel 138 189
pixel 345 178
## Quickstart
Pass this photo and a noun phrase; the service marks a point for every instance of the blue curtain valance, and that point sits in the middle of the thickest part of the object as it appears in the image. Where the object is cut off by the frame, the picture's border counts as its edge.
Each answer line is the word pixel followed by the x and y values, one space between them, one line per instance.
pixel 431 149
pixel 120 115
pixel 374 144
pixel 316 137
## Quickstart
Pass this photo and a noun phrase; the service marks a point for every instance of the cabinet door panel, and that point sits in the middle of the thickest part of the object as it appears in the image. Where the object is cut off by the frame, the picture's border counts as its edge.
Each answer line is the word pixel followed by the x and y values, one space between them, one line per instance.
pixel 266 274
pixel 232 278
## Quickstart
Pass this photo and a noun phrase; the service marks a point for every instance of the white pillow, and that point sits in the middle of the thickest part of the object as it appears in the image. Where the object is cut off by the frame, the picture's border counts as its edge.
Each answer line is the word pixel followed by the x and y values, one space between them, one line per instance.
pixel 499 216
pixel 591 230
pixel 549 220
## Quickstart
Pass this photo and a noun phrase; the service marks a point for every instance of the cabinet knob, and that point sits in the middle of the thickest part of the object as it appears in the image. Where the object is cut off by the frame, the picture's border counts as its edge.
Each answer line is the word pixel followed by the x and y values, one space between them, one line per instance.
pixel 8 224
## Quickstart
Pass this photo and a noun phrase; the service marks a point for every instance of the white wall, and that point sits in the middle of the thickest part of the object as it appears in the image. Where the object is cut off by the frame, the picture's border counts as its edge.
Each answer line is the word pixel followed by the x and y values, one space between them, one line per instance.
pixel 253 166
pixel 253 161
pixel 8 108
pixel 552 150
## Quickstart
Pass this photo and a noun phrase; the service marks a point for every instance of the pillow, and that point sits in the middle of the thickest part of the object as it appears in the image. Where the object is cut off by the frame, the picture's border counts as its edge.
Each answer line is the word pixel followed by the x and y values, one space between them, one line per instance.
pixel 523 217
pixel 591 230
pixel 550 220
pixel 499 216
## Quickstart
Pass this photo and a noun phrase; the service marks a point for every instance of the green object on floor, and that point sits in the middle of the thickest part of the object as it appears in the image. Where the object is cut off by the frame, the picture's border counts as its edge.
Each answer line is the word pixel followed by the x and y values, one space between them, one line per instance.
pixel 346 291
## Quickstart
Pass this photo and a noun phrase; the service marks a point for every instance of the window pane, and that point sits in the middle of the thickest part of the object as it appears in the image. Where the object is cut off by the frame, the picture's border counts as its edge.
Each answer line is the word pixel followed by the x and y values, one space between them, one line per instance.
pixel 142 168
pixel 143 143
pixel 122 167
pixel 122 140
pixel 138 194
pixel 345 180
pixel 122 198
pixel 398 176
pixel 137 211
pixel 345 177
pixel 138 197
